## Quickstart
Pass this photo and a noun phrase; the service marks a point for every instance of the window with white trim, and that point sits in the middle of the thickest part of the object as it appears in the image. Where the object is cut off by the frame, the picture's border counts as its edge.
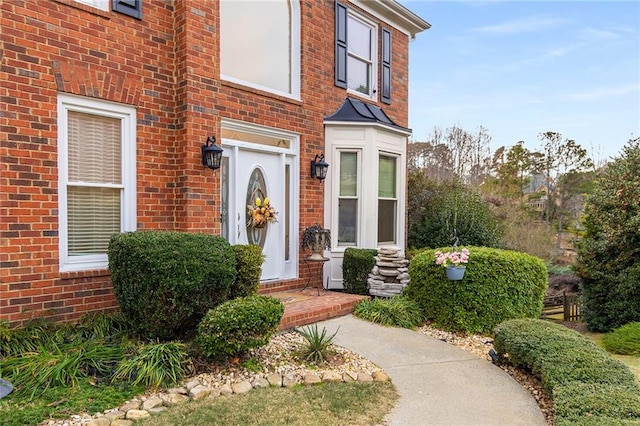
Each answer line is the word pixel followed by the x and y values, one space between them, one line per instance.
pixel 98 4
pixel 260 44
pixel 387 199
pixel 348 199
pixel 97 178
pixel 356 59
pixel 361 53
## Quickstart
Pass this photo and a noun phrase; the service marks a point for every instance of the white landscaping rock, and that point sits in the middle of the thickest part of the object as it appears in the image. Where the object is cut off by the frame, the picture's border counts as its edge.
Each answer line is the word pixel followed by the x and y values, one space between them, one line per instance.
pixel 241 387
pixel 137 414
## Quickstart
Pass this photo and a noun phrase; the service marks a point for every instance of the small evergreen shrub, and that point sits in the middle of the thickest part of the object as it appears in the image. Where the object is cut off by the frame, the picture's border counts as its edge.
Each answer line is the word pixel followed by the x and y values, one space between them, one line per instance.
pixel 236 326
pixel 498 285
pixel 249 259
pixel 397 311
pixel 165 282
pixel 624 340
pixel 586 384
pixel 356 267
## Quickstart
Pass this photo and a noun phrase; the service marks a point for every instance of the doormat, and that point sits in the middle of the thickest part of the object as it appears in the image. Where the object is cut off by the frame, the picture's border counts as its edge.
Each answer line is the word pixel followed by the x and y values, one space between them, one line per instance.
pixel 290 297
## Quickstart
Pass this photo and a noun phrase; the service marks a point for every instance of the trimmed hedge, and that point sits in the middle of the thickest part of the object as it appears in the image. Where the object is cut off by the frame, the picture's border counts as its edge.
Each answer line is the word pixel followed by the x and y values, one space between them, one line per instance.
pixel 165 282
pixel 357 264
pixel 249 259
pixel 498 285
pixel 238 325
pixel 586 384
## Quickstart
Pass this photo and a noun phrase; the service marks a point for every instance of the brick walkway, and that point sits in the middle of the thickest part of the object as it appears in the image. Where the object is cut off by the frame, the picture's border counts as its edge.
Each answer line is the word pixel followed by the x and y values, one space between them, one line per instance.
pixel 309 306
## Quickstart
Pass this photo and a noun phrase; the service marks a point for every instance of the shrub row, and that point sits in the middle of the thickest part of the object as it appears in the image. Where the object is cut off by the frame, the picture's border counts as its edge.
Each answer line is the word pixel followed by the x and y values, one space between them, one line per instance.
pixel 498 285
pixel 586 384
pixel 165 282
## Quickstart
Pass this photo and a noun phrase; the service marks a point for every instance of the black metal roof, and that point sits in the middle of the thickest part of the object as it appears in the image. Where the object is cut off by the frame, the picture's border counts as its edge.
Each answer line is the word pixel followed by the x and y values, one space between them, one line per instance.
pixel 355 111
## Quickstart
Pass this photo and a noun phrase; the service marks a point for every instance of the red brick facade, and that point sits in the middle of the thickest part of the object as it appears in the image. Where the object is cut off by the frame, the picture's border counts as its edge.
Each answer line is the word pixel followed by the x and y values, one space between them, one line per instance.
pixel 167 66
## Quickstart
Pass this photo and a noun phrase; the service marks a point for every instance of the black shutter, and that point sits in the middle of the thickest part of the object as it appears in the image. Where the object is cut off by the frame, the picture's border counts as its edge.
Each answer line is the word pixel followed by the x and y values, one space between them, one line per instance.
pixel 128 7
pixel 385 94
pixel 341 46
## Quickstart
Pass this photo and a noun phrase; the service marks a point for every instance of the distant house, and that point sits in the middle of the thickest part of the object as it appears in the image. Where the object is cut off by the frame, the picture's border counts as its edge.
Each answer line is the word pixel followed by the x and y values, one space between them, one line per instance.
pixel 107 106
pixel 537 191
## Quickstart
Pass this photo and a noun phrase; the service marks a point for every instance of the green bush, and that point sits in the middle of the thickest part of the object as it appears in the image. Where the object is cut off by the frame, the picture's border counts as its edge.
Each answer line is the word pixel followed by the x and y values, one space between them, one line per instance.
pixel 498 285
pixel 249 259
pixel 356 267
pixel 589 401
pixel 165 282
pixel 586 384
pixel 435 209
pixel 397 311
pixel 609 251
pixel 238 325
pixel 557 354
pixel 624 340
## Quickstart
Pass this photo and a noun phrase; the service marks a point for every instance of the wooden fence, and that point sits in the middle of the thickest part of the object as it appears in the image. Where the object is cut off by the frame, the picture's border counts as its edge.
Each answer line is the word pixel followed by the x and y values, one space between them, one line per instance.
pixel 568 305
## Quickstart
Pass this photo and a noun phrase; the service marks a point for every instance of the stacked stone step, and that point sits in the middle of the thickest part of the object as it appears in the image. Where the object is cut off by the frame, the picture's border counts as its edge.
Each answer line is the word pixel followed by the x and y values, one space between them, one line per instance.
pixel 390 275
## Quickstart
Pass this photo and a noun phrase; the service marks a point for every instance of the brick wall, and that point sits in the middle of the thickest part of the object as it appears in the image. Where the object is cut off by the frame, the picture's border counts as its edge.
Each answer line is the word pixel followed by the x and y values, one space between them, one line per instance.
pixel 167 66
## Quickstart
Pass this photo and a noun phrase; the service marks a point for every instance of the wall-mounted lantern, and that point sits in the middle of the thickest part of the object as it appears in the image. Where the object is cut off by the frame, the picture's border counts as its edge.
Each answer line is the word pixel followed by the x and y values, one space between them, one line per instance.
pixel 211 154
pixel 319 167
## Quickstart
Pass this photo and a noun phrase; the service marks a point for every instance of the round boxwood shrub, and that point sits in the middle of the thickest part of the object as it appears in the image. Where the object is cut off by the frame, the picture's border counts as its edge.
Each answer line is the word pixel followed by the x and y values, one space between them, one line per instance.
pixel 165 282
pixel 238 325
pixel 498 285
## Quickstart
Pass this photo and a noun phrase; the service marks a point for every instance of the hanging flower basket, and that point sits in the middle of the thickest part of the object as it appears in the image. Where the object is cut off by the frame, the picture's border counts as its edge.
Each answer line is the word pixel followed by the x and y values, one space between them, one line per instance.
pixel 454 263
pixel 262 213
pixel 455 273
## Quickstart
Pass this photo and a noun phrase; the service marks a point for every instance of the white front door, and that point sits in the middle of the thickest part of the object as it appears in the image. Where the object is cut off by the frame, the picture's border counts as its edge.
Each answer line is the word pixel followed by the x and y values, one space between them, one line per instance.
pixel 261 174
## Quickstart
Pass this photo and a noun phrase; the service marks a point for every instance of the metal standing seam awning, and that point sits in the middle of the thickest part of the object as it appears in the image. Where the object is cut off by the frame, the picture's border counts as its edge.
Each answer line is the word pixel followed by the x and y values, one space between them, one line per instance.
pixel 355 111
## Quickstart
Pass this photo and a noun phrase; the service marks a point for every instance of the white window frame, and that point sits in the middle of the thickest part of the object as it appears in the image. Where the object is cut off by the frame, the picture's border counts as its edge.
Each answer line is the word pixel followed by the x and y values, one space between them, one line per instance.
pixel 98 4
pixel 294 59
pixel 373 71
pixel 396 157
pixel 127 116
pixel 358 197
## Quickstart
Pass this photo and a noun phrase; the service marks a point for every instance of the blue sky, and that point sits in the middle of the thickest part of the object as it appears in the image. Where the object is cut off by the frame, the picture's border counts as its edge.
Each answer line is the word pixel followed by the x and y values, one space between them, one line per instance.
pixel 520 68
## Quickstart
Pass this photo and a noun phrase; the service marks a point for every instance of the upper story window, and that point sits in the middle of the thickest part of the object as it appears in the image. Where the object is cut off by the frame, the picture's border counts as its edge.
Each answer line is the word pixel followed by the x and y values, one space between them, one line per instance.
pixel 97 182
pixel 260 44
pixel 356 55
pixel 360 48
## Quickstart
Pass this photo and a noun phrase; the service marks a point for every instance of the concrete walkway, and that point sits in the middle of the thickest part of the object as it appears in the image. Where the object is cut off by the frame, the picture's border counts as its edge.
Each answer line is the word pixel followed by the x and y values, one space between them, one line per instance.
pixel 438 383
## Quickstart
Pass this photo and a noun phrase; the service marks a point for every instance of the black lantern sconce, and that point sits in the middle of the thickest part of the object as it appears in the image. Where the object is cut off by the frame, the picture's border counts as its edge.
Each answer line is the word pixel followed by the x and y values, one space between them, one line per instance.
pixel 319 167
pixel 211 154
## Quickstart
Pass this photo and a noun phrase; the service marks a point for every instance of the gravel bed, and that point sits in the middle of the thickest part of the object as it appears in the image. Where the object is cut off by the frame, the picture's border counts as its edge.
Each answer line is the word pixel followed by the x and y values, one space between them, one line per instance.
pixel 282 356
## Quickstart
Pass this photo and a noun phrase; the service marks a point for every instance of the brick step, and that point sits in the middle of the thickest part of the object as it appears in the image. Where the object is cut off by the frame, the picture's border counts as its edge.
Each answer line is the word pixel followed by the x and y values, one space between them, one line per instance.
pixel 303 307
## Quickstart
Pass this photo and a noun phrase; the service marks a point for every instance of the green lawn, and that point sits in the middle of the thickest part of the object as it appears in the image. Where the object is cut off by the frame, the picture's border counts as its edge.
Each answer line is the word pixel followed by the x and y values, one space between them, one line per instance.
pixel 317 405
